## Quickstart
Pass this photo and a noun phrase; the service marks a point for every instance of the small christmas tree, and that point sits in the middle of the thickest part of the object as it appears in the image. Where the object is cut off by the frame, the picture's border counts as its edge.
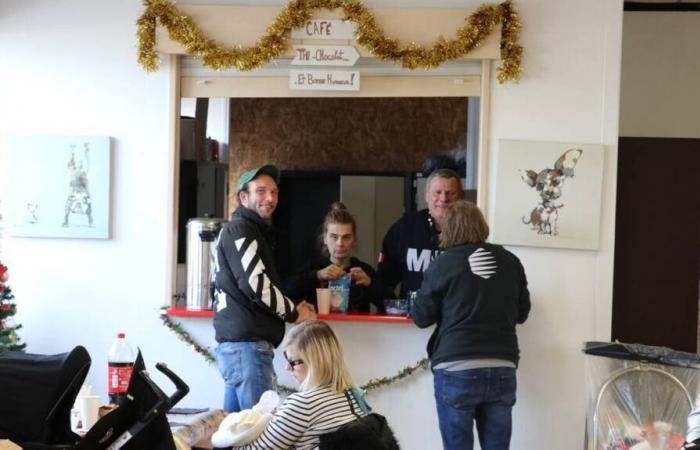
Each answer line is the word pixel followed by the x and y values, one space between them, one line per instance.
pixel 9 340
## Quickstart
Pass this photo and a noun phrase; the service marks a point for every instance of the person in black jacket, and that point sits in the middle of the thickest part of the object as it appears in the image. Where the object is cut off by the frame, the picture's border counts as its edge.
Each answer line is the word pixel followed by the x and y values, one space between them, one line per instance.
pixel 476 293
pixel 249 307
pixel 338 239
pixel 412 242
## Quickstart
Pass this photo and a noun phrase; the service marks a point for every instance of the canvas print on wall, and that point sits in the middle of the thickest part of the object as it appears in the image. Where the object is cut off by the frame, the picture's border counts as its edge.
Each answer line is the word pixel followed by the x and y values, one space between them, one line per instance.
pixel 60 186
pixel 548 194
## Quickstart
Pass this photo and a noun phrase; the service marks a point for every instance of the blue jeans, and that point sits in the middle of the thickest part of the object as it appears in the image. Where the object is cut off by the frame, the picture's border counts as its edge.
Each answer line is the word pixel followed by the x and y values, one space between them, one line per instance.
pixel 484 395
pixel 247 370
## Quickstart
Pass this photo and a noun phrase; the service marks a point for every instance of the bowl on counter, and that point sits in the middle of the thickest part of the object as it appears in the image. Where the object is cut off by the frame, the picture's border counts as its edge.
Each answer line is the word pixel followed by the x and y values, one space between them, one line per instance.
pixel 396 307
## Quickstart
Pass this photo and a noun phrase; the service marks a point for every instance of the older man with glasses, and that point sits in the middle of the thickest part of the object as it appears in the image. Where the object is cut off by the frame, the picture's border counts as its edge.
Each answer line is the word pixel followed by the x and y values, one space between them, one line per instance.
pixel 412 242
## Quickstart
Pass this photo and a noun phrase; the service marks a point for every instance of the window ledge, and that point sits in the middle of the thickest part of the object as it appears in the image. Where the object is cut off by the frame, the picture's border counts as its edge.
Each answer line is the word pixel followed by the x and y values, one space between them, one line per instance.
pixel 356 317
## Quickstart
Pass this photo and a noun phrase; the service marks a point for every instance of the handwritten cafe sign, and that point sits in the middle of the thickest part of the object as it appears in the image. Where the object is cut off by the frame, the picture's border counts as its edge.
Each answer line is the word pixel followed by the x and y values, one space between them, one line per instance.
pixel 325 55
pixel 325 29
pixel 324 80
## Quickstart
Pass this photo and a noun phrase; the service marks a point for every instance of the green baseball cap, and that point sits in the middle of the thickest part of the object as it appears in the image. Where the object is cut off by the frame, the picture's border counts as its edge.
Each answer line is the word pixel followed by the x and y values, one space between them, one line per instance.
pixel 249 175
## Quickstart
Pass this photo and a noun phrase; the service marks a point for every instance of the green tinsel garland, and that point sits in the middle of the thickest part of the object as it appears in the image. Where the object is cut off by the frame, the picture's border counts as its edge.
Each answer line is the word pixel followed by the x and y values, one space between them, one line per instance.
pixel 371 385
pixel 187 338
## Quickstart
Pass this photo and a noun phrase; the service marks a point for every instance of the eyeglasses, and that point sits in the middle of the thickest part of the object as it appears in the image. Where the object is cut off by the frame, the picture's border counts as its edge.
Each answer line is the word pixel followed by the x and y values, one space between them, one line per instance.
pixel 292 362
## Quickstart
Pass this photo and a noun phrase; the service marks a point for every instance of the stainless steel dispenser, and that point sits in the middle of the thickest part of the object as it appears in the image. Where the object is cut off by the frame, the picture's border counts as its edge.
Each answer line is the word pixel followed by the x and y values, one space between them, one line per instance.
pixel 201 241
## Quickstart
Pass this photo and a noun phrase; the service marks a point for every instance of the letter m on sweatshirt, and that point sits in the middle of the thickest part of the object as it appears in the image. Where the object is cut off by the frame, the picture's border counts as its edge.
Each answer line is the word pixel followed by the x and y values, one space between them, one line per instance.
pixel 417 262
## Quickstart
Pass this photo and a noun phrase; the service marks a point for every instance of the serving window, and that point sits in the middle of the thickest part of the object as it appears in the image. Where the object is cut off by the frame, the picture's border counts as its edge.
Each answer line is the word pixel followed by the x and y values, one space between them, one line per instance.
pixel 369 144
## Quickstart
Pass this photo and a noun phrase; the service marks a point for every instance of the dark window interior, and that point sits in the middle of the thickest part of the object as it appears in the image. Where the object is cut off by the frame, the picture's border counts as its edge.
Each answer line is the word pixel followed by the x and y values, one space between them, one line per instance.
pixel 303 203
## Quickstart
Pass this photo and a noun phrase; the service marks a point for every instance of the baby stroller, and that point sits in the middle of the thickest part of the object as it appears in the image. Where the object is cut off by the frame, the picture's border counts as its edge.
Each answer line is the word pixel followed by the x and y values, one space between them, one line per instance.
pixel 38 393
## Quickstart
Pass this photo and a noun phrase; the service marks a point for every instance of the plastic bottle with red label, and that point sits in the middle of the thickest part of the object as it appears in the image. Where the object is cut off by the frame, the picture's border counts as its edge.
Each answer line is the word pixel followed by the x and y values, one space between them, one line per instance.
pixel 120 363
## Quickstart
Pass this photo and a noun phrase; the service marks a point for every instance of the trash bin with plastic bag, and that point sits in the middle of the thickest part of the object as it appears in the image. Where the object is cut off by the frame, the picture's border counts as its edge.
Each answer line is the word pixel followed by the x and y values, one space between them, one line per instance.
pixel 639 396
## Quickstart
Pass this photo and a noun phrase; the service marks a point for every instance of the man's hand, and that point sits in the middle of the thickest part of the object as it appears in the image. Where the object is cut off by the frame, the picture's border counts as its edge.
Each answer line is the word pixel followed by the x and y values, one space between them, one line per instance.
pixel 359 277
pixel 330 273
pixel 306 311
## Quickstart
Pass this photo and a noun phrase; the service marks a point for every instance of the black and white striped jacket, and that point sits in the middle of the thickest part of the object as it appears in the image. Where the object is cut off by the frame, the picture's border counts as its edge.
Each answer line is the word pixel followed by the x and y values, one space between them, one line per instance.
pixel 248 301
pixel 303 418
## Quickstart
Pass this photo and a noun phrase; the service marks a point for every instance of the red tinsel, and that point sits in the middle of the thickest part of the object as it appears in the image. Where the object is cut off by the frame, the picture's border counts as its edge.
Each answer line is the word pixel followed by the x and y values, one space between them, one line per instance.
pixel 3 275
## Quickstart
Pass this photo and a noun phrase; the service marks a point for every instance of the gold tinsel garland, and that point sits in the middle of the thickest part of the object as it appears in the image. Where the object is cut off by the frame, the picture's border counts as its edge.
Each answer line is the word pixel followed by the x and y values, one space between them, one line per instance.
pixel 182 29
pixel 371 385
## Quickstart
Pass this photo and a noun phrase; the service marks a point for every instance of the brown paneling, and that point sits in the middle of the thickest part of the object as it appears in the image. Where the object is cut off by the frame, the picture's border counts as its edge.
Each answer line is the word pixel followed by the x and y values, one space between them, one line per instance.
pixel 657 242
pixel 358 135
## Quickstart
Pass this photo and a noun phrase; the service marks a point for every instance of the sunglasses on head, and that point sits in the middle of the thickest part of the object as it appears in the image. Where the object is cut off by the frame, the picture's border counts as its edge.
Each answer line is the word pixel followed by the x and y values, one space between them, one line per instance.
pixel 292 362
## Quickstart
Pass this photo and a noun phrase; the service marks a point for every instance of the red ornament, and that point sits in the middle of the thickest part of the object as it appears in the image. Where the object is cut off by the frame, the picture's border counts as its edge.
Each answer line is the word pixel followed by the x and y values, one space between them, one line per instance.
pixel 3 273
pixel 5 307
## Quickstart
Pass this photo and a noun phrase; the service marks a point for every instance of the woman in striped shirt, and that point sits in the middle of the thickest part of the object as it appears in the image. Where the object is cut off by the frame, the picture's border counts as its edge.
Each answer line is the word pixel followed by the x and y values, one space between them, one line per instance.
pixel 322 405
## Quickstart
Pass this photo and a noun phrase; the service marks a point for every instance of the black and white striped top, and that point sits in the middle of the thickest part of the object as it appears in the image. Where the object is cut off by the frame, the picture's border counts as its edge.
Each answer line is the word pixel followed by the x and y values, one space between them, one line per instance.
pixel 303 417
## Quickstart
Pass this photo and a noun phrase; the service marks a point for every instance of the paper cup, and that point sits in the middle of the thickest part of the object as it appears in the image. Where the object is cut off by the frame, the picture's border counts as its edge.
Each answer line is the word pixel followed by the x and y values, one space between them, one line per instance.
pixel 323 297
pixel 75 420
pixel 85 389
pixel 89 410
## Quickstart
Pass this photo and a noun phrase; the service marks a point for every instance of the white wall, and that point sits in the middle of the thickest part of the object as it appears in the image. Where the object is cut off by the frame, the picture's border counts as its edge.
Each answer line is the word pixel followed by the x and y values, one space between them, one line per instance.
pixel 67 72
pixel 569 93
pixel 661 67
pixel 70 68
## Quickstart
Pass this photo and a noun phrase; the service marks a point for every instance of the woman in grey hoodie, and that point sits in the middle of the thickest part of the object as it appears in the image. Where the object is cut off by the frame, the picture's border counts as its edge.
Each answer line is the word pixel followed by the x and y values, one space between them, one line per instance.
pixel 476 293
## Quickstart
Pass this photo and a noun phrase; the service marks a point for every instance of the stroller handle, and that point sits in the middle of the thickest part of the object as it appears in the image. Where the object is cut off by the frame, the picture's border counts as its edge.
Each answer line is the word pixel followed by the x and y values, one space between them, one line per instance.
pixel 163 403
pixel 181 387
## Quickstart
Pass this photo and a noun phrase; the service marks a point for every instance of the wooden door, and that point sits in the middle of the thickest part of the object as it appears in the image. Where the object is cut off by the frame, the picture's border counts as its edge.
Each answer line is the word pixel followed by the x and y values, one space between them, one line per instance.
pixel 657 242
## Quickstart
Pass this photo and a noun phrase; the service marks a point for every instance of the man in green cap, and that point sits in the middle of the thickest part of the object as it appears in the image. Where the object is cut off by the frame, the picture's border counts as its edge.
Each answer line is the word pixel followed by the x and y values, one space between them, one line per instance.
pixel 249 307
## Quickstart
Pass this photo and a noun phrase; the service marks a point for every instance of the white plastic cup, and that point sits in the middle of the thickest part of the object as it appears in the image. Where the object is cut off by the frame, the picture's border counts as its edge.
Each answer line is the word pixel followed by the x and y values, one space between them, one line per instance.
pixel 323 297
pixel 75 420
pixel 85 389
pixel 89 410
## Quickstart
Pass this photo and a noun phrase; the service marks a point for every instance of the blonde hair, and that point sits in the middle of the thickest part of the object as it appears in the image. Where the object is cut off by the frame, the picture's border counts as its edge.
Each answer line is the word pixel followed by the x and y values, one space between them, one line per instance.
pixel 317 345
pixel 463 223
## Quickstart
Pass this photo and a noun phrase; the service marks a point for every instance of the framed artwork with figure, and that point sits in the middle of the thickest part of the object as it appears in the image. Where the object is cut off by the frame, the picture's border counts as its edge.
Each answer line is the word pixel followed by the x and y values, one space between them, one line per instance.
pixel 60 186
pixel 548 194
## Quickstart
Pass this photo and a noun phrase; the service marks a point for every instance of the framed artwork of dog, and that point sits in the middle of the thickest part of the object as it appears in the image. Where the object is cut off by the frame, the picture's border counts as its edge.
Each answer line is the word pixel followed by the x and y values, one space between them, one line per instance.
pixel 548 194
pixel 60 186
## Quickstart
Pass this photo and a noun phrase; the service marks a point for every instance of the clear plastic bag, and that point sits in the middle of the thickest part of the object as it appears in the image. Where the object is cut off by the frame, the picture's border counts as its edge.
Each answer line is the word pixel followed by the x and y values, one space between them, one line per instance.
pixel 639 397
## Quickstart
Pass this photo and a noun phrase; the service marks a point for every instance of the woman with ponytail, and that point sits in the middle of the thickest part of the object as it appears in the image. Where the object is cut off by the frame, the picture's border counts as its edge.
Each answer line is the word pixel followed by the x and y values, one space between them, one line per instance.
pixel 338 237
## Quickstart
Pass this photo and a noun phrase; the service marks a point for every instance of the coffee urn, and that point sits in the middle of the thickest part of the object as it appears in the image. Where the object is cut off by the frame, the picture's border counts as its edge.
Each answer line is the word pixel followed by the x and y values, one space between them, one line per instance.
pixel 202 233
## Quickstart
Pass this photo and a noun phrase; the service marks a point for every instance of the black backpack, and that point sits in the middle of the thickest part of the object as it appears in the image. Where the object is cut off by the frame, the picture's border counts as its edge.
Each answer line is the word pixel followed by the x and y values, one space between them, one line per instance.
pixel 370 432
